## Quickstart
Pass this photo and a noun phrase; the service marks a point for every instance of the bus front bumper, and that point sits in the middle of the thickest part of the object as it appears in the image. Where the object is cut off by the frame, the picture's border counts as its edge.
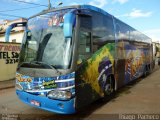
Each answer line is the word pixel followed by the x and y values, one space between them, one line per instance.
pixel 57 106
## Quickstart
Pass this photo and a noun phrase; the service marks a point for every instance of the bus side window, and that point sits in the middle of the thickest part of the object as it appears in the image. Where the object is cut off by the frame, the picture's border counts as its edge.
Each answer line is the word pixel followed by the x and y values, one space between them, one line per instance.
pixel 84 49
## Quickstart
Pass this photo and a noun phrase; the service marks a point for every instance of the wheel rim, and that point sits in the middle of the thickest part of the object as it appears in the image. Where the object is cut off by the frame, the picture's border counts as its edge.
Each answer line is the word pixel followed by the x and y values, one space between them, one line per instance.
pixel 108 86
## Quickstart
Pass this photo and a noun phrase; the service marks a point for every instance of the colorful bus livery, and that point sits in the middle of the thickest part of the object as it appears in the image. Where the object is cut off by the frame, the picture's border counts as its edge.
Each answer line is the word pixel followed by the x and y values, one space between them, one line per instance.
pixel 61 88
pixel 74 55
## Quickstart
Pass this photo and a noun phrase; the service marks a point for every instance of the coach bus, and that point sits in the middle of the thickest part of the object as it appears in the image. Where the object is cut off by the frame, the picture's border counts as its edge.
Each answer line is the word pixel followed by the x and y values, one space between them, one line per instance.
pixel 74 55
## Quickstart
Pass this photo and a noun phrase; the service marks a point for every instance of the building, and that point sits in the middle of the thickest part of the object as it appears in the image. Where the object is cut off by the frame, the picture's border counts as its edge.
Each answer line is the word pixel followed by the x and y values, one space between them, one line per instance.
pixel 9 64
pixel 16 33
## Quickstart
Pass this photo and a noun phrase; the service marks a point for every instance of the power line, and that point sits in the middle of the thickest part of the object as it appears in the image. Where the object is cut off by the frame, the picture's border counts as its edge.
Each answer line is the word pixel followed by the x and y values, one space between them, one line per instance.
pixel 30 3
pixel 11 15
pixel 18 9
pixel 38 5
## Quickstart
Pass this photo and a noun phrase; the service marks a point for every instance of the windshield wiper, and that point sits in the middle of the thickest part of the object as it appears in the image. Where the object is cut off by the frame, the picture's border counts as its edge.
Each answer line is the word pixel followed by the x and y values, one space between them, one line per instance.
pixel 38 64
pixel 45 64
pixel 42 46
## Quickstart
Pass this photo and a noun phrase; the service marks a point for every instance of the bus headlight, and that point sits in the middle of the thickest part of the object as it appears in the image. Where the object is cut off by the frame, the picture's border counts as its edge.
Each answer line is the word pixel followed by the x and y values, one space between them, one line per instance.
pixel 57 94
pixel 18 87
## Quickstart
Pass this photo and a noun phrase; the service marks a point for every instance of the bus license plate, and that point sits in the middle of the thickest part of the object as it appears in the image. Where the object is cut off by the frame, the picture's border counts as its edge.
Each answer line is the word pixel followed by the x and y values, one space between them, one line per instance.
pixel 36 103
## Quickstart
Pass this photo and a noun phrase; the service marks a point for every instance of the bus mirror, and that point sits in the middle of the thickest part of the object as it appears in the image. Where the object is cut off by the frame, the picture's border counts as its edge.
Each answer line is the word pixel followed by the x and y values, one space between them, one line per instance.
pixel 69 21
pixel 10 27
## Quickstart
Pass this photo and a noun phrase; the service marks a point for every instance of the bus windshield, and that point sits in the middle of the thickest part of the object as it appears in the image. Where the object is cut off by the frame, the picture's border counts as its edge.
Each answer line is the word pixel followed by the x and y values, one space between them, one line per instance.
pixel 45 42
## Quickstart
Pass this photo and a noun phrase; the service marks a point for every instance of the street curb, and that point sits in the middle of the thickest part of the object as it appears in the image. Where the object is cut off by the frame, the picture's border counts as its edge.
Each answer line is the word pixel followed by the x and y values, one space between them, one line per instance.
pixel 7 84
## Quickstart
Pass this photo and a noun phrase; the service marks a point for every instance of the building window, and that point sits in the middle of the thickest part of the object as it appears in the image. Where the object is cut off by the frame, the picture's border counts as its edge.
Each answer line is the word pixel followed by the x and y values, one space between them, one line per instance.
pixel 14 40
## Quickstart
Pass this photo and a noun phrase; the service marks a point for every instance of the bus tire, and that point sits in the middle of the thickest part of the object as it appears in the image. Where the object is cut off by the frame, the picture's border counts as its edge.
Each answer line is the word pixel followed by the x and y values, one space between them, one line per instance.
pixel 109 86
pixel 146 71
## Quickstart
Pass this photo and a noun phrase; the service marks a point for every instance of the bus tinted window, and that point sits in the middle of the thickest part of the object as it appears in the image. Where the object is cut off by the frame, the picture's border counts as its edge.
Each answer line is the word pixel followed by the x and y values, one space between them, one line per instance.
pixel 103 31
pixel 122 30
pixel 86 22
pixel 84 45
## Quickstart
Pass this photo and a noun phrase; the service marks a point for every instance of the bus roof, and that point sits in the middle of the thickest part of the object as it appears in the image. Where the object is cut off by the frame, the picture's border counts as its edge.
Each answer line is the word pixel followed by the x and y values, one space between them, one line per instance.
pixel 89 7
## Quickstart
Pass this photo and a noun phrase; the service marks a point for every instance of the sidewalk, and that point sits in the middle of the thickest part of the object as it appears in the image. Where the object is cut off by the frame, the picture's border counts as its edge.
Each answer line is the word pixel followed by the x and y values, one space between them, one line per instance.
pixel 7 84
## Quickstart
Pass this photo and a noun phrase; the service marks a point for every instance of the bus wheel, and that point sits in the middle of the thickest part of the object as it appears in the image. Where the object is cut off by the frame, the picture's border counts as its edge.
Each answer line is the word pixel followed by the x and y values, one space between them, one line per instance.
pixel 109 86
pixel 145 73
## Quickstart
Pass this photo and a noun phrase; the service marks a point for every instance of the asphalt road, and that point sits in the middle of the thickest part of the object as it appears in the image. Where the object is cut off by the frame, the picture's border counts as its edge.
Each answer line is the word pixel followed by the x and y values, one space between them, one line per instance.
pixel 140 97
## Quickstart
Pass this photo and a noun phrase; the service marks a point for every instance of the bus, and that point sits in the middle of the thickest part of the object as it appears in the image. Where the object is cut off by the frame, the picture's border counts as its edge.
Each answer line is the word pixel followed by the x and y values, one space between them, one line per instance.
pixel 72 56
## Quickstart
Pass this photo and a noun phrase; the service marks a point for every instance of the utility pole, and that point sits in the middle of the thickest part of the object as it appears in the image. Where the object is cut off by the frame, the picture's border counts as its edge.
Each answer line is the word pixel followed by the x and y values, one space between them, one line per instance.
pixel 49 4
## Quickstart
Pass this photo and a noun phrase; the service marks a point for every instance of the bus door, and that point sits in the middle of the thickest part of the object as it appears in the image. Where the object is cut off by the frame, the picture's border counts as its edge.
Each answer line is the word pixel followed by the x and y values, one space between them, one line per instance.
pixel 84 51
pixel 120 58
pixel 120 65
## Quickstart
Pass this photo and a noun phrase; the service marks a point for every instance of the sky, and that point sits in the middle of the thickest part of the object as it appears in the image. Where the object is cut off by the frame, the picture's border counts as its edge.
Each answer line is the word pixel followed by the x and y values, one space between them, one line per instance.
pixel 143 15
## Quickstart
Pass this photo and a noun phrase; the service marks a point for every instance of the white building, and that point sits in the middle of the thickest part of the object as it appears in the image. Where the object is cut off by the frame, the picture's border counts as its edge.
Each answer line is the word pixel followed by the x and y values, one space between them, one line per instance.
pixel 16 34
